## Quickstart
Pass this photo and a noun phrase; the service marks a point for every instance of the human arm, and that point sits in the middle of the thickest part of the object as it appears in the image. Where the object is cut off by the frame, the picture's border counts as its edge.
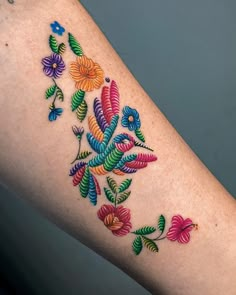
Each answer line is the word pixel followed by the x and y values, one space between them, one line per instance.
pixel 164 141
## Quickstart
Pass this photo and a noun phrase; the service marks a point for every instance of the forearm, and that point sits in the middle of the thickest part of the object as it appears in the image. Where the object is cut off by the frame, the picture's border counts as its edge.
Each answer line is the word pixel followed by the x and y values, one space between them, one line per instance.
pixel 36 155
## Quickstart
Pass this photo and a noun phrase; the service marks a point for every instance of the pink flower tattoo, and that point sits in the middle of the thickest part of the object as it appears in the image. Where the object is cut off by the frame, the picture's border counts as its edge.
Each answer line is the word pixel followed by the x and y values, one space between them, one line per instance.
pixel 180 229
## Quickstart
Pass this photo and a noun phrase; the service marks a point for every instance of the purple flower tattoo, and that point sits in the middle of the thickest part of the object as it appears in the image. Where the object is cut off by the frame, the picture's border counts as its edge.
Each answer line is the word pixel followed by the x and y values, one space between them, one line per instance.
pixel 53 65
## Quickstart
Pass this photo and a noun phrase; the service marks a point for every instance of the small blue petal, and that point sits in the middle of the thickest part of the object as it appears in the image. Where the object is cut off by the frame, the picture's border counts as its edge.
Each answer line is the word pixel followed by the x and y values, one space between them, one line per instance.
pixel 57 28
pixel 58 111
pixel 54 114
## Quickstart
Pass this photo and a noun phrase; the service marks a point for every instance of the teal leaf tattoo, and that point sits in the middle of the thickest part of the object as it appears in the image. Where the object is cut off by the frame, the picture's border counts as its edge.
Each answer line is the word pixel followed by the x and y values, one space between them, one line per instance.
pixel 112 184
pixel 109 195
pixel 122 197
pixel 76 99
pixel 74 45
pixel 125 185
pixel 137 245
pixel 53 44
pixel 161 223
pixel 152 246
pixel 146 230
pixel 50 91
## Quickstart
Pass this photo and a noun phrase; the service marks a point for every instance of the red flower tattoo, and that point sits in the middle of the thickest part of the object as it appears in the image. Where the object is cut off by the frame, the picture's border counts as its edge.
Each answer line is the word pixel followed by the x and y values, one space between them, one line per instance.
pixel 116 219
pixel 180 229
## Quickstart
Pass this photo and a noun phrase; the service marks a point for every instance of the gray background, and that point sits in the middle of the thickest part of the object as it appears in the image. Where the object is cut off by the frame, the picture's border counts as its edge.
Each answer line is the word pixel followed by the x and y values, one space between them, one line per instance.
pixel 183 53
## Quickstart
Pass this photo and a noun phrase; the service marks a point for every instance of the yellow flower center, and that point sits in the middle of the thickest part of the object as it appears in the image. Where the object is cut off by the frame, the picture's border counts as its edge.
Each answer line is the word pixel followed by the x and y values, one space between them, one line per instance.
pixel 54 65
pixel 131 119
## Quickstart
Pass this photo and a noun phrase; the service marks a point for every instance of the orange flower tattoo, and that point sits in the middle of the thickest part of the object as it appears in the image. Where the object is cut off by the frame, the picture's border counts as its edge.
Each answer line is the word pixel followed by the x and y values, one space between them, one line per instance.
pixel 87 74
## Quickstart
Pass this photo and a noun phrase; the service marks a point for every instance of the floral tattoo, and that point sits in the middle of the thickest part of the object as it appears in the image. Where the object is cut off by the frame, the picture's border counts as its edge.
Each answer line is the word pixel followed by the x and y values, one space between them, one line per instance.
pixel 53 67
pixel 111 152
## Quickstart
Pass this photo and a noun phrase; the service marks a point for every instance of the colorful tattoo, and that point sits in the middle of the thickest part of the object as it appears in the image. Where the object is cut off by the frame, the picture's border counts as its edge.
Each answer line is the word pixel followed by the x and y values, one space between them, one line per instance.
pixel 57 28
pixel 78 132
pixel 179 231
pixel 53 67
pixel 131 120
pixel 112 153
pixel 87 76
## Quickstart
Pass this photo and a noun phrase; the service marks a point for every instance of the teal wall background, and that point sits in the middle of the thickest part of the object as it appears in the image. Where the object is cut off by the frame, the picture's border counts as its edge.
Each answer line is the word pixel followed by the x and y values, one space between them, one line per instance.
pixel 184 54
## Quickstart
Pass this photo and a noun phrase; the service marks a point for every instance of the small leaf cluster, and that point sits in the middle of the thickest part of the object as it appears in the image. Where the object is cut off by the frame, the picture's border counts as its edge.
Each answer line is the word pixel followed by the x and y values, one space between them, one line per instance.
pixel 141 240
pixel 117 194
pixel 55 47
pixel 78 102
pixel 54 90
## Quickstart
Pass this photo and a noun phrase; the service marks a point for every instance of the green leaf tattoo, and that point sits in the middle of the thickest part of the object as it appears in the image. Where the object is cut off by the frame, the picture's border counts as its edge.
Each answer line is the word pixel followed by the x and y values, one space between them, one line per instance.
pixel 81 111
pixel 83 155
pixel 125 185
pixel 53 44
pixel 112 184
pixel 122 197
pixel 50 91
pixel 61 48
pixel 150 244
pixel 146 230
pixel 109 195
pixel 137 245
pixel 74 45
pixel 161 223
pixel 76 99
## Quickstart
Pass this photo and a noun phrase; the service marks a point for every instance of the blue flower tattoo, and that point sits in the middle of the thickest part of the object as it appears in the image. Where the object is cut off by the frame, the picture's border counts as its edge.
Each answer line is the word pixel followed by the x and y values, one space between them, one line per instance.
pixel 54 112
pixel 57 28
pixel 130 119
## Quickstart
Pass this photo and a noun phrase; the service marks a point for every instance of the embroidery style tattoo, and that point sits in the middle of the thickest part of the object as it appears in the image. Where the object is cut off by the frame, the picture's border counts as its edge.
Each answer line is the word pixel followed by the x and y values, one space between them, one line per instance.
pixel 57 28
pixel 131 120
pixel 87 76
pixel 53 67
pixel 179 231
pixel 78 132
pixel 116 218
pixel 112 153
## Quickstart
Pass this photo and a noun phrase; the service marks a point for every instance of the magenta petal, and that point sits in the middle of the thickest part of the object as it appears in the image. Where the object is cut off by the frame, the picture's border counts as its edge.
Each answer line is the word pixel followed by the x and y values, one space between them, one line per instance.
pixel 184 237
pixel 172 234
pixel 180 229
pixel 187 222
